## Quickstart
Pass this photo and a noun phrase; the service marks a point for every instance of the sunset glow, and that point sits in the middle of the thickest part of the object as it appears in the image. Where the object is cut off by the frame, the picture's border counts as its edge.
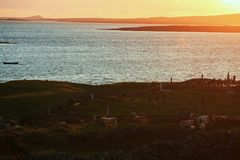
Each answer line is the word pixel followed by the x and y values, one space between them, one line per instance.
pixel 120 79
pixel 116 9
pixel 232 4
pixel 231 1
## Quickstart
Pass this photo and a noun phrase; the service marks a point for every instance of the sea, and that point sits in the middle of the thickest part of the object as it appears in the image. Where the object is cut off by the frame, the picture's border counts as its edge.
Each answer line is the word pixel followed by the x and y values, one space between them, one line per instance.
pixel 88 53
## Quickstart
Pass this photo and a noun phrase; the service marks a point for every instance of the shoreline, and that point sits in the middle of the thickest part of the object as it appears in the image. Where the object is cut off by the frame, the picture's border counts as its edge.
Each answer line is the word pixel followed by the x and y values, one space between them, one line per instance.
pixel 185 28
pixel 116 83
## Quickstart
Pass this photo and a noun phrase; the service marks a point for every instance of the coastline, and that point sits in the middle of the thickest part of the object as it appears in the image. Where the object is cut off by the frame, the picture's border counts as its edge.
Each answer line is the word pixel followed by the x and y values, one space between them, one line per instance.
pixel 214 29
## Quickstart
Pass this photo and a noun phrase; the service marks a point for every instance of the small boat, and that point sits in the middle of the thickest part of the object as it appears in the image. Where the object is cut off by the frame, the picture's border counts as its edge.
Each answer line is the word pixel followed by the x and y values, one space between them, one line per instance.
pixel 9 62
pixel 13 63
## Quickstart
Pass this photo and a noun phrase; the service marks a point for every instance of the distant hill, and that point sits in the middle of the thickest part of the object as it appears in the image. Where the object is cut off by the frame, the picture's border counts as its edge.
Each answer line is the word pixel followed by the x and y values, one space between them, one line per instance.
pixel 37 17
pixel 233 19
pixel 32 18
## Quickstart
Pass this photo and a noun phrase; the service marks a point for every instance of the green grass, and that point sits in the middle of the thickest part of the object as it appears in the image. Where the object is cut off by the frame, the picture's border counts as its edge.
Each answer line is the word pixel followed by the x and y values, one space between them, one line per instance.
pixel 28 101
pixel 25 97
pixel 19 98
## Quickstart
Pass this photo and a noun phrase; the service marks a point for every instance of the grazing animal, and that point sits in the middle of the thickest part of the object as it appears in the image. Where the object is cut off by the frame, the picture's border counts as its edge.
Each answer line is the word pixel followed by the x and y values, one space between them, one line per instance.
pixel 187 124
pixel 217 118
pixel 110 122
pixel 64 123
pixel 192 127
pixel 133 113
pixel 76 104
pixel 203 119
pixel 202 126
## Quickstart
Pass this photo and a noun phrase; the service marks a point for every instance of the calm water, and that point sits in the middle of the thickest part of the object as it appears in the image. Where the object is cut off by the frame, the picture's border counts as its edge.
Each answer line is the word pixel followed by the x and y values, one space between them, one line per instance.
pixel 82 53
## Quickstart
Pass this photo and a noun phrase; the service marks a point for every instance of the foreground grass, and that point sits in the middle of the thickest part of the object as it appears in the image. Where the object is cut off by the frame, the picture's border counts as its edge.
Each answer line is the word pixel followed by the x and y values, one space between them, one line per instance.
pixel 28 103
pixel 19 98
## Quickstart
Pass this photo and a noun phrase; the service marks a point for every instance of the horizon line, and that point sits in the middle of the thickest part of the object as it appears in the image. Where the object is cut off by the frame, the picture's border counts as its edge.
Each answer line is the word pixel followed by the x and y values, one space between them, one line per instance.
pixel 183 16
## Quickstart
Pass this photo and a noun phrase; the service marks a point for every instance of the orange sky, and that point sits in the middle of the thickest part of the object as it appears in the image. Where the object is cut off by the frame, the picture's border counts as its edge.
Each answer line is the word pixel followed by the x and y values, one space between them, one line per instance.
pixel 116 8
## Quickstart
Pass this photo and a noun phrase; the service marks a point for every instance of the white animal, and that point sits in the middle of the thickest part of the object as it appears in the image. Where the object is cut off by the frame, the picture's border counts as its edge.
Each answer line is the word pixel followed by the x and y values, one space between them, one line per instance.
pixel 203 119
pixel 76 104
pixel 216 117
pixel 202 126
pixel 64 123
pixel 110 122
pixel 133 113
pixel 192 127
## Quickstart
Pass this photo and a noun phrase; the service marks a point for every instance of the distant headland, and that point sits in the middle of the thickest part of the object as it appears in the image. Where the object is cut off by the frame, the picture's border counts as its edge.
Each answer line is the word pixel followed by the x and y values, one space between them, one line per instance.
pixel 222 29
pixel 230 19
pixel 32 18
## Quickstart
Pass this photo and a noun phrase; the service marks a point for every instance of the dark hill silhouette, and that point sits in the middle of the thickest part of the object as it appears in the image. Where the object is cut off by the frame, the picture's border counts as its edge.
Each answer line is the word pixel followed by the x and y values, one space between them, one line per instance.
pixel 224 29
pixel 36 17
pixel 232 19
pixel 32 18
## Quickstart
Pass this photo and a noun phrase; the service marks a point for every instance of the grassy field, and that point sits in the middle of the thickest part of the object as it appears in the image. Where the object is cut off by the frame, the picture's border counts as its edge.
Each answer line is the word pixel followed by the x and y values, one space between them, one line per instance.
pixel 39 108
pixel 20 98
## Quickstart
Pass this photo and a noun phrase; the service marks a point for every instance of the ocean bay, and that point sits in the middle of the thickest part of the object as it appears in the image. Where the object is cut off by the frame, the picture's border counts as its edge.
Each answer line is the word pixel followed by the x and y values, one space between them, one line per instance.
pixel 84 53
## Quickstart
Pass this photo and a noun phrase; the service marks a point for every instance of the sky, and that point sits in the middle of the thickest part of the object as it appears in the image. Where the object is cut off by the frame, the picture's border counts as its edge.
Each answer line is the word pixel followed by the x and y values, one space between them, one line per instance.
pixel 116 8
